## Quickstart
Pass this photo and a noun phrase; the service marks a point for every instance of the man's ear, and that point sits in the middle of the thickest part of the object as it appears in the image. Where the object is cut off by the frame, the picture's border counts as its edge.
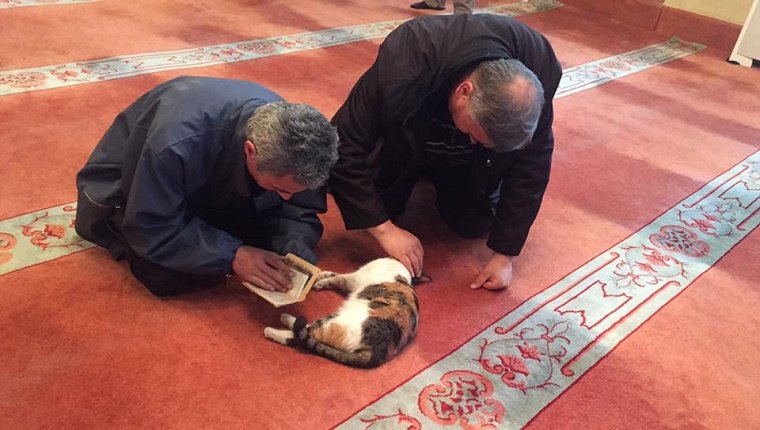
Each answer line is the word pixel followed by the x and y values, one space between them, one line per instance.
pixel 464 89
pixel 250 149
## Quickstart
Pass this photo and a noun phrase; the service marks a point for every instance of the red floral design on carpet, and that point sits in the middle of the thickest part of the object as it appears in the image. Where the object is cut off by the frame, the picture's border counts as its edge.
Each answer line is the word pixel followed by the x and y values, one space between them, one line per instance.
pixel 399 421
pixel 259 47
pixel 711 219
pixel 49 231
pixel 462 398
pixel 526 361
pixel 23 79
pixel 7 242
pixel 644 266
pixel 680 240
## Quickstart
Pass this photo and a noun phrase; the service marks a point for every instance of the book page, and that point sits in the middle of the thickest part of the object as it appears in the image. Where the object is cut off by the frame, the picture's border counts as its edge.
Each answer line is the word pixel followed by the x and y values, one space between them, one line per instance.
pixel 301 282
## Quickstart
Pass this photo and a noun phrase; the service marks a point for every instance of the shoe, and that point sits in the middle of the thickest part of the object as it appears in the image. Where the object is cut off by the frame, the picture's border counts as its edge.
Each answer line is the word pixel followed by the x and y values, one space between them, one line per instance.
pixel 423 5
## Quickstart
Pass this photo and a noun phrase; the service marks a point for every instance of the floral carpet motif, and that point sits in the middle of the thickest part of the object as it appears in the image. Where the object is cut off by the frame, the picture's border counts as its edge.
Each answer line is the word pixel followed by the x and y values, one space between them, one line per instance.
pixel 590 75
pixel 508 373
pixel 7 4
pixel 38 237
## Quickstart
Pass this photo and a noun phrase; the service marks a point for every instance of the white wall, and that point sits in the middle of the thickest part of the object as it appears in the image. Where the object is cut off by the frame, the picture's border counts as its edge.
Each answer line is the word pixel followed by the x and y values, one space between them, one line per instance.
pixel 734 11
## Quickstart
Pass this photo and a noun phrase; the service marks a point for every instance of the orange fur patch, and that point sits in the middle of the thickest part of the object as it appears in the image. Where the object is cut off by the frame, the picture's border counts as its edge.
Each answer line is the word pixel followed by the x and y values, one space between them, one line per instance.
pixel 333 335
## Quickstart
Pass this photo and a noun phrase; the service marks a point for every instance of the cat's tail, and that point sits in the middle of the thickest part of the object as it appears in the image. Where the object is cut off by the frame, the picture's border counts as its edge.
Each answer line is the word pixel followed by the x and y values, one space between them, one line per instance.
pixel 364 357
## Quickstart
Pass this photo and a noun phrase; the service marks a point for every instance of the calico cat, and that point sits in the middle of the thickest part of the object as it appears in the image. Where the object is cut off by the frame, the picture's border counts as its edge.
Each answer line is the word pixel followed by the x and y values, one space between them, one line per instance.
pixel 376 321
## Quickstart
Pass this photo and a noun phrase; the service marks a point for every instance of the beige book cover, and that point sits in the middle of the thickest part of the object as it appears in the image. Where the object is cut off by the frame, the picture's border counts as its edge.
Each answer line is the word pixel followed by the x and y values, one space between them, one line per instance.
pixel 304 276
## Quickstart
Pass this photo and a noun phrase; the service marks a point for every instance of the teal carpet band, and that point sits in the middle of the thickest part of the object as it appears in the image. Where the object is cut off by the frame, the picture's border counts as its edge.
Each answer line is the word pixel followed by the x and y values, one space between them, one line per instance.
pixel 7 4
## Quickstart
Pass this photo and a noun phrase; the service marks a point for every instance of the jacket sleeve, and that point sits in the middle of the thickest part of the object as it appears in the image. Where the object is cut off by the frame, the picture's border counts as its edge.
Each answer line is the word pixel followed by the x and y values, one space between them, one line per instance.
pixel 158 225
pixel 524 184
pixel 293 225
pixel 359 123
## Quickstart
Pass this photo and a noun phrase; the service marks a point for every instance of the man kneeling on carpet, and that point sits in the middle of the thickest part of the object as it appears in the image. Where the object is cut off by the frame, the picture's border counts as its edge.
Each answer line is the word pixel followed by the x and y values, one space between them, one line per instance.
pixel 201 178
pixel 465 100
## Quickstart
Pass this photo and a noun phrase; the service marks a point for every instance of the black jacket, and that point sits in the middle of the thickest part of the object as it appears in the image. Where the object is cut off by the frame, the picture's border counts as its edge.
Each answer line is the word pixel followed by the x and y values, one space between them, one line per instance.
pixel 383 122
pixel 176 153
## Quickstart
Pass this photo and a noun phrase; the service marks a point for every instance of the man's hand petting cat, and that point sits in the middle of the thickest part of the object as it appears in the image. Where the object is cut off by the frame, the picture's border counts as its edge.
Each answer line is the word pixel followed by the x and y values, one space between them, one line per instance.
pixel 496 274
pixel 261 268
pixel 401 245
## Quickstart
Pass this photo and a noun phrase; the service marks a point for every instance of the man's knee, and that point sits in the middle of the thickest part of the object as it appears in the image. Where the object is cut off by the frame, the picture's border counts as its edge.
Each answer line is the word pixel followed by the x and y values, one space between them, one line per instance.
pixel 89 221
pixel 468 217
pixel 163 282
pixel 95 224
pixel 469 227
pixel 161 290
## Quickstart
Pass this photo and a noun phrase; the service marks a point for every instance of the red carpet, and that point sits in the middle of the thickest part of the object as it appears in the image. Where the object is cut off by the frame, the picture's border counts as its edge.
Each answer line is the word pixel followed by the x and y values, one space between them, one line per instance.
pixel 83 345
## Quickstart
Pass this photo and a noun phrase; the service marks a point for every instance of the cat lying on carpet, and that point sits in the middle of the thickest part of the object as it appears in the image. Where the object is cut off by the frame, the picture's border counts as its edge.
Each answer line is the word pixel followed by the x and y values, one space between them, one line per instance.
pixel 376 321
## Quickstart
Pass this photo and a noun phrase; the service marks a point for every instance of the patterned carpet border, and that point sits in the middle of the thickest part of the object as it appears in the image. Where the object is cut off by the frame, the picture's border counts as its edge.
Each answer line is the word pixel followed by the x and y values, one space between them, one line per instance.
pixel 590 75
pixel 504 376
pixel 84 72
pixel 38 237
pixel 7 4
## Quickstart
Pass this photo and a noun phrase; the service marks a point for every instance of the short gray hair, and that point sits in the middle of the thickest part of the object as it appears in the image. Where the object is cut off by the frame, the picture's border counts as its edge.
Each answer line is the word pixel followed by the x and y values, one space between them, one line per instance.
pixel 509 118
pixel 293 139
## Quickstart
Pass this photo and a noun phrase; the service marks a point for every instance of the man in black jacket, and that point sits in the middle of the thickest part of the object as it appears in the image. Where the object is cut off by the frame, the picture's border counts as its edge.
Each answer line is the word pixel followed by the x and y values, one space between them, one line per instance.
pixel 201 178
pixel 435 81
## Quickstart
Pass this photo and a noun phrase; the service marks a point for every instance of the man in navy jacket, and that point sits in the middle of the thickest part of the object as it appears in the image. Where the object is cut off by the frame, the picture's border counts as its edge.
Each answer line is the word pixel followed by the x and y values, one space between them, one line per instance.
pixel 201 178
pixel 465 100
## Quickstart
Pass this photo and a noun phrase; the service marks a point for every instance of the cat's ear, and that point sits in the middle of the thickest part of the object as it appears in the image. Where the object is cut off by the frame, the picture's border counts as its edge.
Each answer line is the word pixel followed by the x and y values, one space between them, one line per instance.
pixel 422 279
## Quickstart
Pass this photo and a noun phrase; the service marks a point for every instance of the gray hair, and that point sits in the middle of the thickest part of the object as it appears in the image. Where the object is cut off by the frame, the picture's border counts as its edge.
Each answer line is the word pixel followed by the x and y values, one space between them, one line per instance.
pixel 293 139
pixel 509 116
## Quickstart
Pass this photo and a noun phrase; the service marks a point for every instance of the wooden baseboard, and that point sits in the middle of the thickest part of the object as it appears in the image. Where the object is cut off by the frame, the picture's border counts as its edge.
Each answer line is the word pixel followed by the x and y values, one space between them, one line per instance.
pixel 697 28
pixel 653 15
pixel 637 13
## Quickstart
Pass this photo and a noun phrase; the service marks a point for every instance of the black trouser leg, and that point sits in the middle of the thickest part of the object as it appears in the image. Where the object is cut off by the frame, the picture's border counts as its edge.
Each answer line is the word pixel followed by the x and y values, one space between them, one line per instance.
pixel 465 211
pixel 165 282
pixel 93 223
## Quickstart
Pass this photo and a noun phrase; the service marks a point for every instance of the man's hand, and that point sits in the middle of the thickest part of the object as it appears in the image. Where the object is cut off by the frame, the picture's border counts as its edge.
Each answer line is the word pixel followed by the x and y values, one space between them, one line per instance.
pixel 400 244
pixel 261 268
pixel 496 274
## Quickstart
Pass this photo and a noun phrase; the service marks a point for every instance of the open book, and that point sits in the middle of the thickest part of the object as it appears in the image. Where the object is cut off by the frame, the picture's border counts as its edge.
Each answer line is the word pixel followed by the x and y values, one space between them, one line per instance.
pixel 304 276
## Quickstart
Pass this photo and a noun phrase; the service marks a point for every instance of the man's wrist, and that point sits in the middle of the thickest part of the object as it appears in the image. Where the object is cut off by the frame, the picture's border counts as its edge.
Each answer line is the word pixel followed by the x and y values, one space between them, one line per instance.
pixel 380 229
pixel 503 257
pixel 233 263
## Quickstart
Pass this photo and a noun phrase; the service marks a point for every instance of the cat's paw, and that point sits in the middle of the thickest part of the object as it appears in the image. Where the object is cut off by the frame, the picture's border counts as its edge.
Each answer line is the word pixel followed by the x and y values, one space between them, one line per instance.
pixel 287 320
pixel 324 280
pixel 277 335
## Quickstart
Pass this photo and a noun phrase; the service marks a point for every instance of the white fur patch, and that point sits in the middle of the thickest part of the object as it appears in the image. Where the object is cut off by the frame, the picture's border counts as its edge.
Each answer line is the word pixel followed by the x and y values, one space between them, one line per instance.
pixel 350 316
pixel 278 335
pixel 379 271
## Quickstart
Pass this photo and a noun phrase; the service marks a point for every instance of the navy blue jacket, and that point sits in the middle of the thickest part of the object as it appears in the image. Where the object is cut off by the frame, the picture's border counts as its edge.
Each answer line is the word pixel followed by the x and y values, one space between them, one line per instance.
pixel 177 152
